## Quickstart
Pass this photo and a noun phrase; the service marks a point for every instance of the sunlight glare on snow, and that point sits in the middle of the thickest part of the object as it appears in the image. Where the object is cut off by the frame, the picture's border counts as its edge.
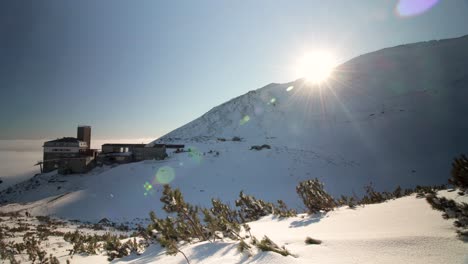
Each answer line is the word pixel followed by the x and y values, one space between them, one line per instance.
pixel 407 8
pixel 164 175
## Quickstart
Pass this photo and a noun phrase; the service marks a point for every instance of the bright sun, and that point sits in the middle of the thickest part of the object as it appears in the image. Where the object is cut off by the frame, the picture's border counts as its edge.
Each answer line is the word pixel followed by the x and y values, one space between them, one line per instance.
pixel 316 66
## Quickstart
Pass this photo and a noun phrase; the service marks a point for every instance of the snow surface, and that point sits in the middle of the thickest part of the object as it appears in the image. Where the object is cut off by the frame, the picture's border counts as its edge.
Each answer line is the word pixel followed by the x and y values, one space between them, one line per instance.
pixel 392 117
pixel 404 230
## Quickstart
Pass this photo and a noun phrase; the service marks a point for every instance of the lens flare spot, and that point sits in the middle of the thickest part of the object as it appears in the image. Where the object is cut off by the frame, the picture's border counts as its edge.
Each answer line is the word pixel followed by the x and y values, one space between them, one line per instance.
pixel 147 186
pixel 148 189
pixel 165 175
pixel 289 88
pixel 244 120
pixel 195 155
pixel 407 8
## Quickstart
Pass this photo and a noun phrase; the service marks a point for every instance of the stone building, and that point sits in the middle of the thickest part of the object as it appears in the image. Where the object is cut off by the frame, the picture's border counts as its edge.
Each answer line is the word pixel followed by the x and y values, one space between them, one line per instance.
pixel 120 148
pixel 125 153
pixel 69 154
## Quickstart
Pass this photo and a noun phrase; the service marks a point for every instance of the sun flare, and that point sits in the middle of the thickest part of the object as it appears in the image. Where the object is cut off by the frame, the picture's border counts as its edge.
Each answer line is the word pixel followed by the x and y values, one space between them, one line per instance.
pixel 316 66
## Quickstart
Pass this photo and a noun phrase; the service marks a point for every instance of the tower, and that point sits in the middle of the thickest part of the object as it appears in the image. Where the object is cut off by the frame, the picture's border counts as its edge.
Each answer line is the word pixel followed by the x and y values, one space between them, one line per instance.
pixel 84 134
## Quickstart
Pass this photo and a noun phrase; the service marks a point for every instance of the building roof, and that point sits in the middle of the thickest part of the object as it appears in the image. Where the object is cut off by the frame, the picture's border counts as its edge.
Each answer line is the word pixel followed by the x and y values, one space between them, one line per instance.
pixel 124 145
pixel 176 146
pixel 134 145
pixel 64 139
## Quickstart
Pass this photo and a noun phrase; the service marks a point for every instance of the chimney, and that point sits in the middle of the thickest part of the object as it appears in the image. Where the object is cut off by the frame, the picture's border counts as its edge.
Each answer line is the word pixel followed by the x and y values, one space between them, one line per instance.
pixel 84 134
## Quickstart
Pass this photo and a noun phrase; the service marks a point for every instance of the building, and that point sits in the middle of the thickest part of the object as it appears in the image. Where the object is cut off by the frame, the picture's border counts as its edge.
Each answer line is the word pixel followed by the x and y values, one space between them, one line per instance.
pixel 68 154
pixel 74 155
pixel 84 134
pixel 120 148
pixel 125 153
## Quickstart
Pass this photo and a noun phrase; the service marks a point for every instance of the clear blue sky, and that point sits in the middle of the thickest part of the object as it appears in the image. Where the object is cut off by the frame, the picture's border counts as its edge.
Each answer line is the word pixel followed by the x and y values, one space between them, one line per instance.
pixel 144 68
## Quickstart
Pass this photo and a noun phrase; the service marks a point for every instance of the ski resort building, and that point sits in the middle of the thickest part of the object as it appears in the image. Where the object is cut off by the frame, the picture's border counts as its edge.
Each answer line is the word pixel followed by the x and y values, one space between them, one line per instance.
pixel 73 155
pixel 125 153
pixel 69 154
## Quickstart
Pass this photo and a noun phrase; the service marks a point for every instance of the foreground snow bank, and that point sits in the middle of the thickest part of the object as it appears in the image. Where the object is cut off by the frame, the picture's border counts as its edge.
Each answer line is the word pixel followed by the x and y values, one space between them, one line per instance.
pixel 405 230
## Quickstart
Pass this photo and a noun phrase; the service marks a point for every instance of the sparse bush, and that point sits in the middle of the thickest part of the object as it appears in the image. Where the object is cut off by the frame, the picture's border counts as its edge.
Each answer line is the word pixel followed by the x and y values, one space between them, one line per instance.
pixel 20 228
pixel 312 241
pixel 184 227
pixel 460 173
pixel 10 214
pixel 43 232
pixel 122 227
pixel 97 227
pixel 53 259
pixel 372 196
pixel 266 244
pixel 314 196
pixel 451 210
pixel 85 244
pixel 44 219
pixel 252 209
pixel 421 191
pixel 32 247
pixel 244 247
pixel 221 218
pixel 345 200
pixel 397 193
pixel 114 248
pixel 187 214
pixel 264 146
pixel 408 191
pixel 282 210
pixel 7 251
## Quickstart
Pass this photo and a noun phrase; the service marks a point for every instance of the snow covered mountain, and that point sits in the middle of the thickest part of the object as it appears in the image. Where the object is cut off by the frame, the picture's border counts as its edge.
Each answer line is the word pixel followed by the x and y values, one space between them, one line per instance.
pixel 380 87
pixel 394 116
pixel 391 117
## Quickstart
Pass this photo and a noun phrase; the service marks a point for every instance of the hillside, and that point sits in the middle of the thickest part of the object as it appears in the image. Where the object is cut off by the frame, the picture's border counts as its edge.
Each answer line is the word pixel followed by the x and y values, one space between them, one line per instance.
pixel 391 117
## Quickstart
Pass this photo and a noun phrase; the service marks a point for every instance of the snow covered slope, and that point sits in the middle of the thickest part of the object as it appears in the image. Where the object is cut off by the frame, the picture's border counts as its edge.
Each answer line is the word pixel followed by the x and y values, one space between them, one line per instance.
pixel 391 117
pixel 405 230
pixel 397 115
